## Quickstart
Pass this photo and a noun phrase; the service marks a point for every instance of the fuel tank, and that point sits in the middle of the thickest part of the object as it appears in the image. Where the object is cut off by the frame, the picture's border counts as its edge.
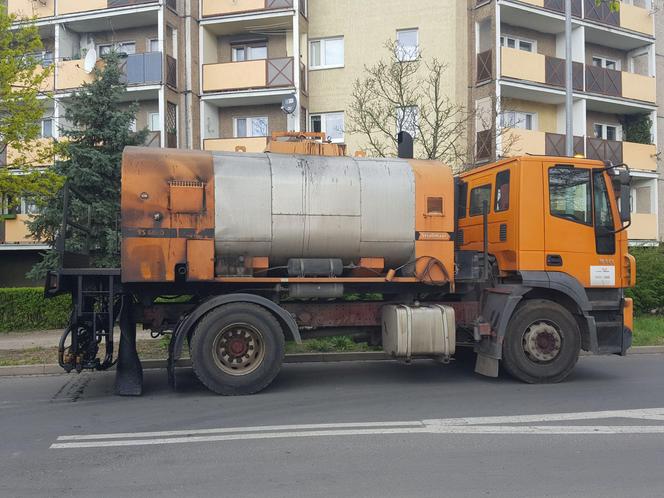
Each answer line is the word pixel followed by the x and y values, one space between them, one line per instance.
pixel 285 206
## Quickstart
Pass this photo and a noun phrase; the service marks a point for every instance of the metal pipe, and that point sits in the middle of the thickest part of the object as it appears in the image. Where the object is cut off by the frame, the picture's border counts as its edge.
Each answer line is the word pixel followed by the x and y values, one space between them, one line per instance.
pixel 569 88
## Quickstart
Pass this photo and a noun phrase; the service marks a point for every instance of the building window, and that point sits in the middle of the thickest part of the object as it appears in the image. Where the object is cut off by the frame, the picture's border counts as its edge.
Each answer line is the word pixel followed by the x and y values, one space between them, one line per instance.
pixel 47 128
pixel 326 53
pixel 605 63
pixel 518 43
pixel 478 196
pixel 607 132
pixel 332 124
pixel 153 121
pixel 249 52
pixel 519 119
pixel 408 48
pixel 407 120
pixel 153 45
pixel 126 48
pixel 250 127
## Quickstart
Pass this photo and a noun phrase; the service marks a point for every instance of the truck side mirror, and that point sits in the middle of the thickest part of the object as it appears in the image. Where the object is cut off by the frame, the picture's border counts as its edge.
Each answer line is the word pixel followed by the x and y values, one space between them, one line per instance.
pixel 625 193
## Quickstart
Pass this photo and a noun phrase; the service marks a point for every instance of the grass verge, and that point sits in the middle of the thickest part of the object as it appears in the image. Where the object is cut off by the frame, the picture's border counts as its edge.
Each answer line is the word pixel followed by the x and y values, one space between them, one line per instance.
pixel 649 330
pixel 158 350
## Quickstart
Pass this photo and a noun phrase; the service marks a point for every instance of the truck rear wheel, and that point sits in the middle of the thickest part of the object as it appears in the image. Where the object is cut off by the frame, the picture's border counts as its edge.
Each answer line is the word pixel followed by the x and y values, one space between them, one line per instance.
pixel 542 343
pixel 237 349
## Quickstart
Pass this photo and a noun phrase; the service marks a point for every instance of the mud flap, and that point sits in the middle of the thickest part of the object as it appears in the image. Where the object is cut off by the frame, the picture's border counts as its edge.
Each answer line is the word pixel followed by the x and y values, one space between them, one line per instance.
pixel 487 366
pixel 496 308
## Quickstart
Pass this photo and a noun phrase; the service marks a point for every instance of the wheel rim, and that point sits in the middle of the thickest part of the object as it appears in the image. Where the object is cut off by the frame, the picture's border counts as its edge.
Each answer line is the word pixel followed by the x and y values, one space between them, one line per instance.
pixel 542 342
pixel 239 349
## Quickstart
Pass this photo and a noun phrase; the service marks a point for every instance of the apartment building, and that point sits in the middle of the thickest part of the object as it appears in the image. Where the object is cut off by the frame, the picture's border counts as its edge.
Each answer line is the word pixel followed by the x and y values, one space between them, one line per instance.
pixel 212 75
pixel 518 49
pixel 254 53
pixel 659 64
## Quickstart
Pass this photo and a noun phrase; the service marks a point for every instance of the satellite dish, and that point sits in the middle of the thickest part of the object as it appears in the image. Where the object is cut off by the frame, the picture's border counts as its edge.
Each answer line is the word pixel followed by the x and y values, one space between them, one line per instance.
pixel 289 104
pixel 90 60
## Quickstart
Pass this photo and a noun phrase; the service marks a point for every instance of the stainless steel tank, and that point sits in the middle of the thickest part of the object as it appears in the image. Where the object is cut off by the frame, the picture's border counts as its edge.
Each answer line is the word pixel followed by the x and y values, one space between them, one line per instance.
pixel 284 206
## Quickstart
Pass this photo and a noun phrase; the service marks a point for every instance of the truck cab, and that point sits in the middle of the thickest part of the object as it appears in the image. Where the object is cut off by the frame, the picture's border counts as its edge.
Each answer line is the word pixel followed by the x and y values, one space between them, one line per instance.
pixel 555 226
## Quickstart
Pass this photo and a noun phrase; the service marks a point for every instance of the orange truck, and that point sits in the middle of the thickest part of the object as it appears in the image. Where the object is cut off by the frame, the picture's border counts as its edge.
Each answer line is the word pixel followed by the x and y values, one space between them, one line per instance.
pixel 523 262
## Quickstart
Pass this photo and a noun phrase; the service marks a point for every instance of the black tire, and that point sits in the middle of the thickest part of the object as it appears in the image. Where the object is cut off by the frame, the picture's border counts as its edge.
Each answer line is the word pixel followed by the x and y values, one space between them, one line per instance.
pixel 220 335
pixel 542 343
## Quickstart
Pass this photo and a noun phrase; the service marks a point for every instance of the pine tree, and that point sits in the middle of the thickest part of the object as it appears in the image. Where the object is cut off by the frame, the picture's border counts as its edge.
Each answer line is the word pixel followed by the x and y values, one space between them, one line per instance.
pixel 98 129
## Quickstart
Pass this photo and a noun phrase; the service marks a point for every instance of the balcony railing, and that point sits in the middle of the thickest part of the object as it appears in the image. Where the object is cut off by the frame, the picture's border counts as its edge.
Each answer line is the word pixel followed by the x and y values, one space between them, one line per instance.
pixel 15 230
pixel 141 69
pixel 171 72
pixel 70 74
pixel 559 6
pixel 485 66
pixel 643 227
pixel 31 8
pixel 76 6
pixel 249 144
pixel 637 156
pixel 153 139
pixel 538 68
pixel 227 7
pixel 268 73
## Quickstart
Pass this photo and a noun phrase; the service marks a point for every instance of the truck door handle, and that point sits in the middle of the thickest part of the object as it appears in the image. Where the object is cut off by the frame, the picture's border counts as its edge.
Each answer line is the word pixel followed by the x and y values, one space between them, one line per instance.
pixel 554 260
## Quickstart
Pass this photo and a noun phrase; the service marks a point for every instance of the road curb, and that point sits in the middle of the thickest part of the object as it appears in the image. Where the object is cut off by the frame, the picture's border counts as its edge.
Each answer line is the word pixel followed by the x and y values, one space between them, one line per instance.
pixel 20 370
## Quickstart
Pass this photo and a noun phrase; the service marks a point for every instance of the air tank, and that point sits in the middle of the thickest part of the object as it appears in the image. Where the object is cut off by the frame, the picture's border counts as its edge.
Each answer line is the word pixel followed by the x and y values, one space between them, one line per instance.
pixel 285 206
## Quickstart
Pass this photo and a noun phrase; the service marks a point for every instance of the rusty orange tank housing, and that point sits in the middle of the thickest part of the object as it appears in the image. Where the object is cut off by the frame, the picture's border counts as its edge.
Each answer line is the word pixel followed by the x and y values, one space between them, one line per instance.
pixel 232 217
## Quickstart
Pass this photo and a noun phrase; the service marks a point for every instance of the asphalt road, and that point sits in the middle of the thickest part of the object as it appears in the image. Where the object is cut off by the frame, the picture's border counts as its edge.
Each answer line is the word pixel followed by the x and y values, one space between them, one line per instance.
pixel 353 429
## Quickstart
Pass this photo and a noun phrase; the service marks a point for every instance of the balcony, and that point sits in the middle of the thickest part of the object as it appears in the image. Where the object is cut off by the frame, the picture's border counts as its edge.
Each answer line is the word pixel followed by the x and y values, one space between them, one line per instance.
pixel 550 71
pixel 629 17
pixel 214 8
pixel 248 75
pixel 76 6
pixel 252 144
pixel 517 142
pixel 138 69
pixel 636 156
pixel 31 8
pixel 643 227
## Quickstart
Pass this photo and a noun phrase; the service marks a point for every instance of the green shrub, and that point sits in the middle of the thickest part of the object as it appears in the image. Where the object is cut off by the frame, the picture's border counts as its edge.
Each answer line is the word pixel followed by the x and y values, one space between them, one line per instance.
pixel 648 294
pixel 27 309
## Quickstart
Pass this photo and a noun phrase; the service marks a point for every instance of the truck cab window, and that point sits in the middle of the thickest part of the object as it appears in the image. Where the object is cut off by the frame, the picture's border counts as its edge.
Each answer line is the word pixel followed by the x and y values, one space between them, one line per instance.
pixel 502 191
pixel 569 194
pixel 604 226
pixel 477 197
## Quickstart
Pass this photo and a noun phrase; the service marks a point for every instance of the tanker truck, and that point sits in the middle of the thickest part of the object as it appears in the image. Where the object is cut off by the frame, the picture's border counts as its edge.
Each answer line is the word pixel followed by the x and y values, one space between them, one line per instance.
pixel 522 262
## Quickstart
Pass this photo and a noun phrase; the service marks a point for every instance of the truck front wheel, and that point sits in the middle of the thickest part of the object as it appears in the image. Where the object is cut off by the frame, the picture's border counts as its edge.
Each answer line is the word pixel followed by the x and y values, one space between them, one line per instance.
pixel 542 342
pixel 237 349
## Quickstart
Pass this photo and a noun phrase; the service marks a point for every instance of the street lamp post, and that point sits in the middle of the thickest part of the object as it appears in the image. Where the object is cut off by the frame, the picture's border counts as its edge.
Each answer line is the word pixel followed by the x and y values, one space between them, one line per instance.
pixel 569 89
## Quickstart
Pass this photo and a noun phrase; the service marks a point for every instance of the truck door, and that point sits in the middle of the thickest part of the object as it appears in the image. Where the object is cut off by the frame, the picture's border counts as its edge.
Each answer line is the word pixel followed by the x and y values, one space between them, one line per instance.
pixel 577 220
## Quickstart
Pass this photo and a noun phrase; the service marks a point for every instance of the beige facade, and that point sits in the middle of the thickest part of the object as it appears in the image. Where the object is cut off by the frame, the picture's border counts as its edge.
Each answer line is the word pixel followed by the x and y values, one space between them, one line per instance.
pixel 366 26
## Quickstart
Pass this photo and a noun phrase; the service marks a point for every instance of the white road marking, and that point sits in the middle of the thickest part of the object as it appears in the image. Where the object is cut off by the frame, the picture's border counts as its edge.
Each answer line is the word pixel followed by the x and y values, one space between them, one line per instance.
pixel 265 428
pixel 469 425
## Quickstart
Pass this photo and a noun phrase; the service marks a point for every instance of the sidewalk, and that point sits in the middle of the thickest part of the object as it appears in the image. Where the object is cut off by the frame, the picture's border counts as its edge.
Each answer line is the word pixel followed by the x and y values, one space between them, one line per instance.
pixel 45 339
